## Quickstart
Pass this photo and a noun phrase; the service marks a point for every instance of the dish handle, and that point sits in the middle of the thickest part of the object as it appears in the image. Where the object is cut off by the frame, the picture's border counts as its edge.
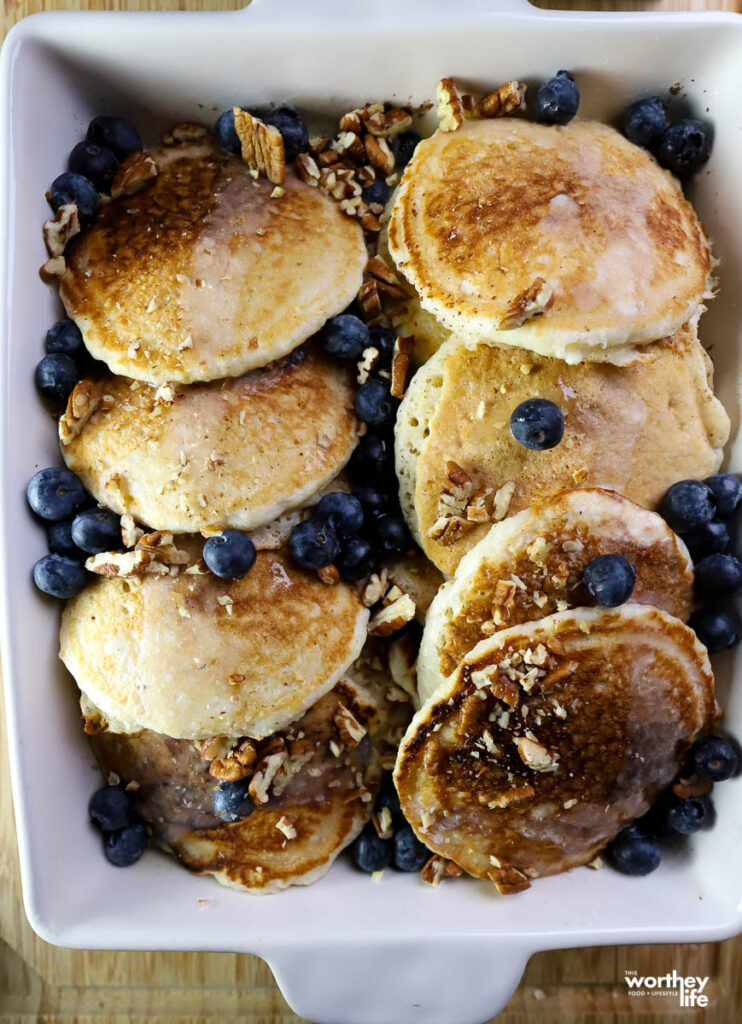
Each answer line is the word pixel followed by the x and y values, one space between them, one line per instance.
pixel 451 981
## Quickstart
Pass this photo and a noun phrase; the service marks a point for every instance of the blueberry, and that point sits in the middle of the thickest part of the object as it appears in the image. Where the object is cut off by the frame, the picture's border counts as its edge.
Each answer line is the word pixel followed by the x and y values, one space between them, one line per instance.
pixel 59 539
pixel 59 576
pixel 557 100
pixel 64 337
pixel 403 146
pixel 55 493
pixel 226 132
pixel 357 559
pixel 376 192
pixel 383 339
pixel 684 816
pixel 709 539
pixel 390 534
pixel 313 544
pixel 231 555
pixel 231 801
pixel 372 459
pixel 537 424
pixel 370 852
pixel 346 336
pixel 684 147
pixel 409 852
pixel 342 511
pixel 293 130
pixel 716 630
pixel 633 852
pixel 95 163
pixel 125 846
pixel 645 121
pixel 687 505
pixel 114 133
pixel 97 529
pixel 727 491
pixel 110 808
pixel 718 576
pixel 55 377
pixel 714 758
pixel 374 403
pixel 609 580
pixel 373 500
pixel 74 188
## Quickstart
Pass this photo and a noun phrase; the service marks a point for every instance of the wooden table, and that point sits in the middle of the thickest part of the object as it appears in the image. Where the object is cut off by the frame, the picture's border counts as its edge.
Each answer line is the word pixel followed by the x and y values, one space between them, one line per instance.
pixel 39 982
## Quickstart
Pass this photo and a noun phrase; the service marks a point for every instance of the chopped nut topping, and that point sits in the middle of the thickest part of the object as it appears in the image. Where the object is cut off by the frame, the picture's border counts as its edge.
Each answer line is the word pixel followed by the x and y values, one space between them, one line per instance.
pixel 81 405
pixel 503 497
pixel 160 545
pixel 307 169
pixel 506 100
pixel 228 769
pixel 261 781
pixel 433 870
pixel 284 825
pixel 569 804
pixel 329 575
pixel 132 175
pixel 60 228
pixel 403 348
pixel 367 363
pixel 349 144
pixel 377 268
pixel 351 122
pixel 379 153
pixel 532 301
pixel 535 755
pixel 517 795
pixel 383 823
pixel 127 563
pixel 130 532
pixel 262 146
pixel 180 603
pixel 188 131
pixel 53 269
pixel 393 617
pixel 387 123
pixel 350 730
pixel 374 590
pixel 450 110
pixel 509 880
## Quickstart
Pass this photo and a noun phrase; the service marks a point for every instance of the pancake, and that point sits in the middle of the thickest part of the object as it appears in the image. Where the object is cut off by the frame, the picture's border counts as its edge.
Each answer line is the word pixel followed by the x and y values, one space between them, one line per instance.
pixel 566 240
pixel 531 565
pixel 634 429
pixel 192 656
pixel 552 736
pixel 202 274
pixel 324 797
pixel 234 453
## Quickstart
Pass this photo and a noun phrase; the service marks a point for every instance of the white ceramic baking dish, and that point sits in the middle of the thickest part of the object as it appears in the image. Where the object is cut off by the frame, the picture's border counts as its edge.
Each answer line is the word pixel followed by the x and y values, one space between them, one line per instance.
pixel 347 950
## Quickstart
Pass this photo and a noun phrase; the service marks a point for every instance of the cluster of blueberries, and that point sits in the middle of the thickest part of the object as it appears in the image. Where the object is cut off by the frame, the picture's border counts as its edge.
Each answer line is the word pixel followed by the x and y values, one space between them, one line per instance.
pixel 124 838
pixel 403 849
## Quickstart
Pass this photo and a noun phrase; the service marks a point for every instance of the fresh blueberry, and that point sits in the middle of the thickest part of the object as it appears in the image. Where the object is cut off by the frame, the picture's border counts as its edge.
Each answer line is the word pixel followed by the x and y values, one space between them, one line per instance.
pixel 95 163
pixel 557 100
pixel 74 188
pixel 373 459
pixel 716 630
pixel 376 192
pixel 714 758
pixel 357 559
pixel 633 852
pixel 96 529
pixel 59 576
pixel 125 846
pixel 389 798
pixel 718 576
pixel 710 539
pixel 116 134
pixel 314 545
pixel 684 816
pixel 293 130
pixel 370 852
pixel 374 403
pixel 346 336
pixel 59 539
pixel 226 132
pixel 403 146
pixel 231 801
pixel 409 852
pixel 684 147
pixel 687 505
pixel 390 535
pixel 342 511
pixel 231 555
pixel 55 493
pixel 373 500
pixel 646 121
pixel 110 808
pixel 537 424
pixel 55 377
pixel 383 339
pixel 609 580
pixel 727 491
pixel 65 338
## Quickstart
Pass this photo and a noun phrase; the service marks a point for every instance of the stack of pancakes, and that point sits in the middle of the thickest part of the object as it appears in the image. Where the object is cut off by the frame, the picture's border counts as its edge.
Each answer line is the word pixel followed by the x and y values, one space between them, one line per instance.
pixel 215 409
pixel 559 263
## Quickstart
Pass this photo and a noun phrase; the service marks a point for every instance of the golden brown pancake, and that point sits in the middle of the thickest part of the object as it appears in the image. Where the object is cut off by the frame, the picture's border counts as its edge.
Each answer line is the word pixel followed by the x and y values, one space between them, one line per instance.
pixel 552 736
pixel 531 565
pixel 634 429
pixel 202 274
pixel 235 453
pixel 565 240
pixel 192 656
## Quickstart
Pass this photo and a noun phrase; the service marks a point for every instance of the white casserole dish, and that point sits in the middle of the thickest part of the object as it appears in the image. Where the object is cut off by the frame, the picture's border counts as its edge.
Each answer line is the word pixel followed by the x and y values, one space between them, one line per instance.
pixel 344 951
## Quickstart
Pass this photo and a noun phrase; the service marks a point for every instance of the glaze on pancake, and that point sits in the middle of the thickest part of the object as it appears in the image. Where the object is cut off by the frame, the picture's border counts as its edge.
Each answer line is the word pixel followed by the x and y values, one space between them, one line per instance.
pixel 531 565
pixel 192 656
pixel 326 798
pixel 234 453
pixel 634 429
pixel 502 206
pixel 202 275
pixel 614 699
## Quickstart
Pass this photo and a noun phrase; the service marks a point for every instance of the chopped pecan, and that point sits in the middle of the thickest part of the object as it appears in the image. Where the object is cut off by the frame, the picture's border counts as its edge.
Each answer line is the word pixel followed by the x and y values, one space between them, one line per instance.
pixel 262 146
pixel 350 730
pixel 532 301
pixel 228 769
pixel 348 144
pixel 511 96
pixel 392 617
pixel 60 228
pixel 82 403
pixel 188 131
pixel 133 174
pixel 126 563
pixel 509 880
pixel 329 575
pixel 53 269
pixel 307 169
pixel 403 348
pixel 450 110
pixel 160 545
pixel 386 123
pixel 379 153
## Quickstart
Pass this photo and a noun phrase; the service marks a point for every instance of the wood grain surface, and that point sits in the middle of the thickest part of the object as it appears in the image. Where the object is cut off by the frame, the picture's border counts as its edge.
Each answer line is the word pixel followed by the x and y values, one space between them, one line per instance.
pixel 39 982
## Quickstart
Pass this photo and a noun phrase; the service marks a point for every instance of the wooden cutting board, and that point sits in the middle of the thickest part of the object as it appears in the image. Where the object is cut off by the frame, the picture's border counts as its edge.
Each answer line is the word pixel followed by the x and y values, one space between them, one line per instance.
pixel 41 983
